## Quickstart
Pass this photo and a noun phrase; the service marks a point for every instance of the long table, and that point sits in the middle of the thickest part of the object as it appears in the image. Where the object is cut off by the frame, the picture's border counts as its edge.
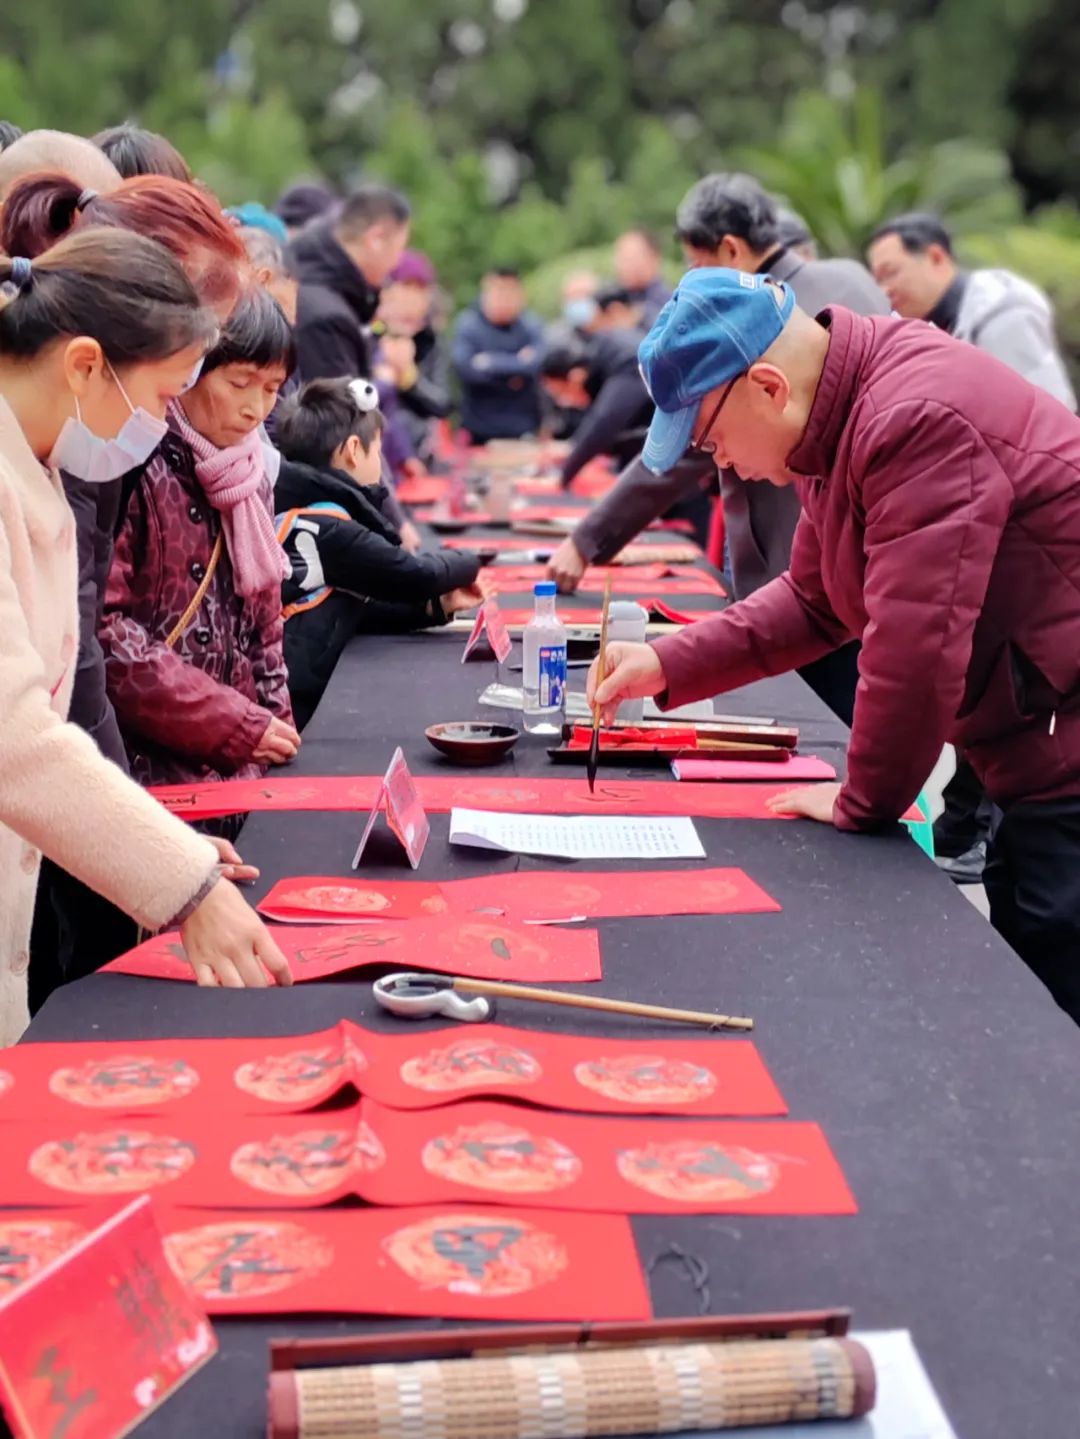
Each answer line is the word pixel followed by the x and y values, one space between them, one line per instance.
pixel 887 1010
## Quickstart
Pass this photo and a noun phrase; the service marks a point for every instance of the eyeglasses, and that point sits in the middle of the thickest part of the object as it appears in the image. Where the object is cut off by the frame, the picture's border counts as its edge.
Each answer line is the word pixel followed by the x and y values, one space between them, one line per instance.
pixel 704 445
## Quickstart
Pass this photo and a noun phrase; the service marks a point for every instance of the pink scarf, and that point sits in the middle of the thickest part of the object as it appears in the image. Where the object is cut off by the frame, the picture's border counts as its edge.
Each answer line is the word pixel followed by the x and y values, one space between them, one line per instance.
pixel 234 481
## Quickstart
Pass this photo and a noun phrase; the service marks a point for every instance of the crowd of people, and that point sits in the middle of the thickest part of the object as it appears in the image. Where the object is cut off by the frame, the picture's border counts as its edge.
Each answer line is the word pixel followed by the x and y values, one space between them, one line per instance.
pixel 204 416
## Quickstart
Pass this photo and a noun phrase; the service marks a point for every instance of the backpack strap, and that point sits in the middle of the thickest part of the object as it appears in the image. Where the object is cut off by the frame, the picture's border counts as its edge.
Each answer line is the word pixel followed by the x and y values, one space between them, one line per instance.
pixel 286 522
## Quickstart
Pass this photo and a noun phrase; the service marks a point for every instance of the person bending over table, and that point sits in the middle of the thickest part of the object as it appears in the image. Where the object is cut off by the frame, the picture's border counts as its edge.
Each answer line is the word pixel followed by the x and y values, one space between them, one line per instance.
pixel 940 524
pixel 96 337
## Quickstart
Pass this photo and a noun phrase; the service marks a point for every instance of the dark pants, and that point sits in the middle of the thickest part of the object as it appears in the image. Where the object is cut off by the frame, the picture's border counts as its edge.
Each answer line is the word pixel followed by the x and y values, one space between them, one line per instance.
pixel 75 932
pixel 1032 881
pixel 833 679
pixel 965 820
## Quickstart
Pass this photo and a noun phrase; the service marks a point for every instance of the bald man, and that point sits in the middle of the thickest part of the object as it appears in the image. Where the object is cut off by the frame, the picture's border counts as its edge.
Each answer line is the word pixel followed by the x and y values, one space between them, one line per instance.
pixel 60 153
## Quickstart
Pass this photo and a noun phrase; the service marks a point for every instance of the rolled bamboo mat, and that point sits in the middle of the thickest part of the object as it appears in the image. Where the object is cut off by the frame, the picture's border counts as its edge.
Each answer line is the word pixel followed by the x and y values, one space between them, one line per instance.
pixel 579 1394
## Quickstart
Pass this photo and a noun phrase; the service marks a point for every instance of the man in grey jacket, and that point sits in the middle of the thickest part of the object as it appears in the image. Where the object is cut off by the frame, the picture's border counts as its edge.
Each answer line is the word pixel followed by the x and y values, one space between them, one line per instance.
pixel 912 258
pixel 730 220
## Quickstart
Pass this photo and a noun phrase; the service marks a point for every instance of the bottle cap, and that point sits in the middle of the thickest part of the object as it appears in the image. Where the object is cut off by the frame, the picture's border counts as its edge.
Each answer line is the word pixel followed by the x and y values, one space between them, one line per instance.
pixel 544 587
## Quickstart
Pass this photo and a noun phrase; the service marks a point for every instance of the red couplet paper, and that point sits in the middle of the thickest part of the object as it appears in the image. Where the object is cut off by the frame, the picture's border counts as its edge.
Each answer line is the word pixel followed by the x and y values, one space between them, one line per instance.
pixel 483 949
pixel 422 489
pixel 87 1087
pixel 484 1153
pixel 526 896
pixel 796 768
pixel 404 812
pixel 636 580
pixel 439 794
pixel 97 1330
pixel 452 1262
pixel 574 612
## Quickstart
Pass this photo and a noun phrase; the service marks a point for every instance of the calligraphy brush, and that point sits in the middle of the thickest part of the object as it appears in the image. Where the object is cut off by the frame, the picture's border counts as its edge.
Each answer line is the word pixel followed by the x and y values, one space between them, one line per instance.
pixel 593 761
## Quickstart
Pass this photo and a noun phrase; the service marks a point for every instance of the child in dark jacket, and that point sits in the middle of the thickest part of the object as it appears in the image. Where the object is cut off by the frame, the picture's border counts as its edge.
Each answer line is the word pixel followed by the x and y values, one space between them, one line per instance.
pixel 350 571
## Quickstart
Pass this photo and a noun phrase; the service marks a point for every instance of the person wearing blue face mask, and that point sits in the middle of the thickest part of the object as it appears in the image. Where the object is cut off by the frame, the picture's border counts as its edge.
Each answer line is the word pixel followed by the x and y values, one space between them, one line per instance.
pixel 99 334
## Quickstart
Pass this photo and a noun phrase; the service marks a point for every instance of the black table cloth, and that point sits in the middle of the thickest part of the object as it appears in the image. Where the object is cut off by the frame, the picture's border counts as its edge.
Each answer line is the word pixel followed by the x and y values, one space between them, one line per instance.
pixel 946 1081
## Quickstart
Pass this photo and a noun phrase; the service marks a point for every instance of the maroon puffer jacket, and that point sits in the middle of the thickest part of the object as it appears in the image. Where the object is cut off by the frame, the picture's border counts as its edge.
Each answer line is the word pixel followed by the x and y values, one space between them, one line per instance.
pixel 941 524
pixel 198 711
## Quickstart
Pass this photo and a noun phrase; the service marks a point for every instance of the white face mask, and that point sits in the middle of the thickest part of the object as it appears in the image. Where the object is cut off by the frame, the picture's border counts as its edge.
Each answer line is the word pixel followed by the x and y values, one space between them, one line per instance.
pixel 87 457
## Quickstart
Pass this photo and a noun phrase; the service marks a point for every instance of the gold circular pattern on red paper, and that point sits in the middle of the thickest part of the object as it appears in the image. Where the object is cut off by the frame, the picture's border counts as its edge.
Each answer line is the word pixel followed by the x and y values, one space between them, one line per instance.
pixel 7 1081
pixel 699 1173
pixel 27 1245
pixel 299 1075
pixel 487 1255
pixel 124 1081
pixel 475 939
pixel 239 1260
pixel 309 1162
pixel 504 1157
pixel 111 1161
pixel 646 1079
pixel 336 899
pixel 471 1064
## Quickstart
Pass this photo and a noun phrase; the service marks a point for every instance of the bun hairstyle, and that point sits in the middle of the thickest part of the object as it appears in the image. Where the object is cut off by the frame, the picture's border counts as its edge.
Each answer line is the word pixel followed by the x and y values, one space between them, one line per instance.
pixel 39 209
pixel 128 293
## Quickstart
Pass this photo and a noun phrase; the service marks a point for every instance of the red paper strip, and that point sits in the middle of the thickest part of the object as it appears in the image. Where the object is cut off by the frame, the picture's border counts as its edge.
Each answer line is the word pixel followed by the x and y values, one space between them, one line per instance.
pixel 87 1086
pixel 483 1153
pixel 575 612
pixel 483 949
pixel 98 1330
pixel 450 1262
pixel 794 768
pixel 634 580
pixel 440 794
pixel 422 489
pixel 526 896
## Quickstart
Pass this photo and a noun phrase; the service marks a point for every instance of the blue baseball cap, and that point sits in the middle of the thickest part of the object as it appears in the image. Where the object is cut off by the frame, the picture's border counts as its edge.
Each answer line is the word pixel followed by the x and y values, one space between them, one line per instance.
pixel 714 327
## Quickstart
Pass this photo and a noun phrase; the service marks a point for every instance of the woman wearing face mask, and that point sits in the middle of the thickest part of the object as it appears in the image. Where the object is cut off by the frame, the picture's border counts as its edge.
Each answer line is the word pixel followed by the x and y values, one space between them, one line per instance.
pixel 192 631
pixel 101 311
pixel 75 931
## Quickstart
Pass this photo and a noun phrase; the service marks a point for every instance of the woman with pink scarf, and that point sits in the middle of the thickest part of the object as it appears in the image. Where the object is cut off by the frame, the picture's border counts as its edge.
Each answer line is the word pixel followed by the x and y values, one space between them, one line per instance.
pixel 195 669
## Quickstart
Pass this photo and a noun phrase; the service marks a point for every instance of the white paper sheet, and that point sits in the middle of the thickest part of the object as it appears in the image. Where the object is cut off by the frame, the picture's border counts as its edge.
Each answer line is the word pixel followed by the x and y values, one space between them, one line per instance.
pixel 581 836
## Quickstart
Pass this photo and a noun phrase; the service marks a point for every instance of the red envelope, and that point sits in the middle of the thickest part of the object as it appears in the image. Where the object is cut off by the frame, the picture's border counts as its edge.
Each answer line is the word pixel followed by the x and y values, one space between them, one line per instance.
pixel 490 623
pixel 98 1330
pixel 452 1262
pixel 404 812
pixel 481 948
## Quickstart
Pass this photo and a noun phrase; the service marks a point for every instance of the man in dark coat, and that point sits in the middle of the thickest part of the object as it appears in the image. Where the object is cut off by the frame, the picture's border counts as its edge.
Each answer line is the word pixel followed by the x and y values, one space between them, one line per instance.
pixel 940 523
pixel 341 263
pixel 730 220
pixel 639 268
pixel 496 354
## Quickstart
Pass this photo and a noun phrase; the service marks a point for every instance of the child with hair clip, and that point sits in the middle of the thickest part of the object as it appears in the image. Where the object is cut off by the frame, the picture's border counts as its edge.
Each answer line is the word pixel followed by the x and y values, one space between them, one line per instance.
pixel 350 571
pixel 192 630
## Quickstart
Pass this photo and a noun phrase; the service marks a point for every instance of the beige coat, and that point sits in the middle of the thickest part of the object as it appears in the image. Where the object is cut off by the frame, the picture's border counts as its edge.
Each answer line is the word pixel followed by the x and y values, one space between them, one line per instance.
pixel 58 794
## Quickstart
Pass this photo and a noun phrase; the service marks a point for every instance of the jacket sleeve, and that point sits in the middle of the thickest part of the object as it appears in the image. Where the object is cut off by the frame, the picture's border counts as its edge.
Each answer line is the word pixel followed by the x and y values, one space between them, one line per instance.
pixel 1023 338
pixel 614 410
pixel 156 694
pixel 497 366
pixel 326 348
pixel 936 503
pixel 91 708
pixel 638 498
pixel 61 795
pixel 785 624
pixel 430 394
pixel 360 562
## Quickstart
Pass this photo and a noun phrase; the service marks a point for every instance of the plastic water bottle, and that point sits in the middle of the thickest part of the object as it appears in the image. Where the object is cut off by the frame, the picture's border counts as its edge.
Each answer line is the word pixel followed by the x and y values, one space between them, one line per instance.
pixel 544 665
pixel 628 621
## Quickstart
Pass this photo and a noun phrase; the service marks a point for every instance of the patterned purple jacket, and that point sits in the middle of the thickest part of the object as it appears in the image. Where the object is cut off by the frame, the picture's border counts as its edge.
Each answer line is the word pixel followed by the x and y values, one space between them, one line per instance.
pixel 198 711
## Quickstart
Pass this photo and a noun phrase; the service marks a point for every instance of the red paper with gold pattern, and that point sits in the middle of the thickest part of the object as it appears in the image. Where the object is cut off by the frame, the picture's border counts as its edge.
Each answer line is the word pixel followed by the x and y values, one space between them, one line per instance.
pixel 479 947
pixel 108 1085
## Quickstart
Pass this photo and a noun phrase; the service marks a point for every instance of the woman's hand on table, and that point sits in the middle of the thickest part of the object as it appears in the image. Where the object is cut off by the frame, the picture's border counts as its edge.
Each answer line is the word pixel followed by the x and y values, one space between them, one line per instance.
pixel 810 801
pixel 280 743
pixel 567 567
pixel 232 866
pixel 227 943
pixel 632 672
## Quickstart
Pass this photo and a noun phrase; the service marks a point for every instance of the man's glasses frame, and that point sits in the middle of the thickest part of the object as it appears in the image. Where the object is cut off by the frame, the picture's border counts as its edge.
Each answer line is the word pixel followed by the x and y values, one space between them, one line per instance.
pixel 705 445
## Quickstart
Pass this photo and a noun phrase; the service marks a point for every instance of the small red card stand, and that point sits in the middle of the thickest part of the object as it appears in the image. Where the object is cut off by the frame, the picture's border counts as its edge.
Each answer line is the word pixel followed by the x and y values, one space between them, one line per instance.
pixel 489 635
pixel 404 812
pixel 100 1336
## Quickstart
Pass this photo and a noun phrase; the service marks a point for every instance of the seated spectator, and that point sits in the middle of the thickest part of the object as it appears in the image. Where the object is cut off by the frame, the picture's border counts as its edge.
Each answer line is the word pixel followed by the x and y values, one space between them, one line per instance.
pixel 605 378
pixel 410 352
pixel 496 354
pixel 639 268
pixel 342 263
pixel 912 260
pixel 349 569
pixel 300 204
pixel 192 630
pixel 135 151
pixel 53 150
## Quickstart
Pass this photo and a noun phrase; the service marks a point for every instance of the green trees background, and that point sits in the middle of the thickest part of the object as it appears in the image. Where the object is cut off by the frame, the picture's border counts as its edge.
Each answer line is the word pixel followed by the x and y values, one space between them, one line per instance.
pixel 527 129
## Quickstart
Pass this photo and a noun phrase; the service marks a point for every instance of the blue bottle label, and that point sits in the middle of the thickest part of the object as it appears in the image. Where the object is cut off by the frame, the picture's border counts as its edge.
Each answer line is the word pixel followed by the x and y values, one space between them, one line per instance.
pixel 552 660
